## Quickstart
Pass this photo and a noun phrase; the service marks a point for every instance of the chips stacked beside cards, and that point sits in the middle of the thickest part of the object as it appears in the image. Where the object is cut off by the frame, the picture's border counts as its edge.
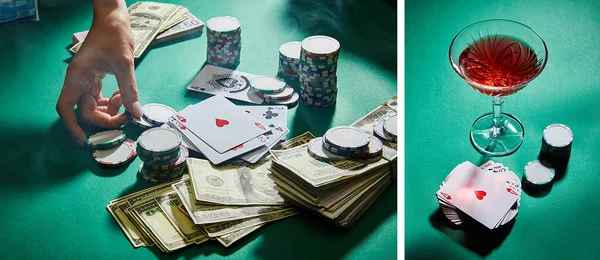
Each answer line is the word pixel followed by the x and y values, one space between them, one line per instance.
pixel 162 153
pixel 220 130
pixel 153 115
pixel 289 61
pixel 318 70
pixel 275 91
pixel 489 194
pixel 340 143
pixel 223 203
pixel 224 35
pixel 111 148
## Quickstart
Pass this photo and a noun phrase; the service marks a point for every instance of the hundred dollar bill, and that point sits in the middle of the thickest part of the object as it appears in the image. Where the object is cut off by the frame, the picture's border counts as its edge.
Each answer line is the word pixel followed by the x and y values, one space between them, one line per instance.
pixel 319 173
pixel 118 209
pixel 220 229
pixel 230 238
pixel 147 19
pixel 210 213
pixel 232 184
pixel 171 207
pixel 151 215
pixel 296 141
pixel 366 124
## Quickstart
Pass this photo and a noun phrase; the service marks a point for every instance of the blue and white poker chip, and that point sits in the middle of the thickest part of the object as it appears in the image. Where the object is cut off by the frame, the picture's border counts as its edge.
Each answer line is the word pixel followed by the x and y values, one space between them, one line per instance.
pixel 157 114
pixel 316 149
pixel 346 140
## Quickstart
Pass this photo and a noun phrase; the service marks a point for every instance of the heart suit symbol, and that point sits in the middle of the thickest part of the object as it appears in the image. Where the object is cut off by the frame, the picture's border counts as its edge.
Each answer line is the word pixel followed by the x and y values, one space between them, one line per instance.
pixel 221 122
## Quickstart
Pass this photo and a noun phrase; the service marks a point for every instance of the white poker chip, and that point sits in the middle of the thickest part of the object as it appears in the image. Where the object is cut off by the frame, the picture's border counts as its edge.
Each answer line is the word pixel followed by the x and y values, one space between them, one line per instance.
pixel 106 139
pixel 283 95
pixel 117 155
pixel 375 149
pixel 291 49
pixel 159 140
pixel 290 103
pixel 537 173
pixel 268 84
pixel 320 44
pixel 390 126
pixel 223 24
pixel 141 123
pixel 316 150
pixel 380 132
pixel 346 140
pixel 157 114
pixel 558 136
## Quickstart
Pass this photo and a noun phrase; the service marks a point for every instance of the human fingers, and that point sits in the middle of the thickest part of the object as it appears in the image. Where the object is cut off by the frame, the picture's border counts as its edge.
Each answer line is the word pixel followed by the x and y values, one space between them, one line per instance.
pixel 114 105
pixel 68 98
pixel 94 116
pixel 128 88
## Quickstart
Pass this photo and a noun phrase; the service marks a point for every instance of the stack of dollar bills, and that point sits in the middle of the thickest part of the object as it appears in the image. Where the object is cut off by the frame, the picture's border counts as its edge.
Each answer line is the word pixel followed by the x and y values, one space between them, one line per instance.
pixel 223 203
pixel 339 191
pixel 154 23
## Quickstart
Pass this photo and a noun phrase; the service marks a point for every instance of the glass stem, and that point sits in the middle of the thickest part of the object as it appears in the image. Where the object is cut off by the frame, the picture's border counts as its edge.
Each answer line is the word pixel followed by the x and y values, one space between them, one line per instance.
pixel 497 105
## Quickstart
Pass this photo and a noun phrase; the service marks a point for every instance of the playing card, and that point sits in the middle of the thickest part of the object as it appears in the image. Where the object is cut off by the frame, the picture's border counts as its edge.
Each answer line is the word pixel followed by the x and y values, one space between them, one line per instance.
pixel 276 115
pixel 212 155
pixel 273 137
pixel 477 194
pixel 225 82
pixel 220 123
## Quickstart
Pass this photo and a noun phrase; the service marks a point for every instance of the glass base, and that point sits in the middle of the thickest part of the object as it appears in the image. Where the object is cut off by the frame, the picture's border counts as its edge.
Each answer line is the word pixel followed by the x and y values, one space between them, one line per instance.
pixel 497 141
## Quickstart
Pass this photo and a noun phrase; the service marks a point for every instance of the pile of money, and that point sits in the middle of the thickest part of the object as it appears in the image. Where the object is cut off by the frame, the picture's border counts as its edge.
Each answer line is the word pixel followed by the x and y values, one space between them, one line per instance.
pixel 223 203
pixel 339 191
pixel 154 23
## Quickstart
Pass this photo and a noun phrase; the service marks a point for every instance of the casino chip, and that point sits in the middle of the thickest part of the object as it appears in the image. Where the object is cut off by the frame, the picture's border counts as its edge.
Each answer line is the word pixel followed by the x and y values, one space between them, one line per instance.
pixel 224 41
pixel 268 84
pixel 378 130
pixel 289 60
pixel 345 140
pixel 375 149
pixel 157 114
pixel 106 139
pixel 537 174
pixel 139 121
pixel 158 141
pixel 290 103
pixel 117 155
pixel 163 154
pixel 390 127
pixel 317 71
pixel 286 94
pixel 315 149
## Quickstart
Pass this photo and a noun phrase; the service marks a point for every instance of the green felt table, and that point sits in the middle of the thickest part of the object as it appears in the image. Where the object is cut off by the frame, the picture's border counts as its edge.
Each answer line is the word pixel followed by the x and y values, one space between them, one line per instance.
pixel 54 195
pixel 440 107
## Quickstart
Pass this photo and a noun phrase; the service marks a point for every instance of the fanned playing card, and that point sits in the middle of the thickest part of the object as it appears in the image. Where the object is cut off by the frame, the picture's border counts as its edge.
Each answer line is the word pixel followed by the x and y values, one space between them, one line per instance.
pixel 220 123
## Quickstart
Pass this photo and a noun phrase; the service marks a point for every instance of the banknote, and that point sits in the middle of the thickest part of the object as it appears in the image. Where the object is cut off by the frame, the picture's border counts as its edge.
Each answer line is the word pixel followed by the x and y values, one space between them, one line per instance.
pixel 220 229
pixel 319 173
pixel 170 206
pixel 232 184
pixel 230 238
pixel 208 213
pixel 296 141
pixel 153 218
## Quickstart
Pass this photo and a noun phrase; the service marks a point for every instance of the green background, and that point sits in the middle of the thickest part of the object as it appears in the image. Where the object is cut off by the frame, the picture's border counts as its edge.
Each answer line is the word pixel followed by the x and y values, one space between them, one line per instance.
pixel 440 108
pixel 54 195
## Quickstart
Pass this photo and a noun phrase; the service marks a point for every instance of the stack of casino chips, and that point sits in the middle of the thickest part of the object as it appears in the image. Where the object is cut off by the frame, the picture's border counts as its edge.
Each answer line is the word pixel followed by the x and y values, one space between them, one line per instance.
pixel 344 142
pixel 274 91
pixel 224 44
pixel 289 61
pixel 317 70
pixel 162 153
pixel 111 148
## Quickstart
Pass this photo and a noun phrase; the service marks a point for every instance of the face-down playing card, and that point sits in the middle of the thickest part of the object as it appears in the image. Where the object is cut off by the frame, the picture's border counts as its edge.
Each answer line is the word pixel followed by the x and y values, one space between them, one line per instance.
pixel 220 123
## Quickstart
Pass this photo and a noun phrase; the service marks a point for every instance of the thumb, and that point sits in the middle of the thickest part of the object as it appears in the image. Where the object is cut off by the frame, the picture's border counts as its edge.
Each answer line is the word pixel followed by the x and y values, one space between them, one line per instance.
pixel 128 88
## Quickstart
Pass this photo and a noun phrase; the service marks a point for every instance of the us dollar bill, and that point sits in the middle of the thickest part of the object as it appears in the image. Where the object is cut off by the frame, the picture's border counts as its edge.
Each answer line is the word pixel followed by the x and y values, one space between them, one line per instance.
pixel 147 19
pixel 232 184
pixel 296 141
pixel 230 238
pixel 319 173
pixel 171 207
pixel 220 229
pixel 153 218
pixel 366 124
pixel 209 213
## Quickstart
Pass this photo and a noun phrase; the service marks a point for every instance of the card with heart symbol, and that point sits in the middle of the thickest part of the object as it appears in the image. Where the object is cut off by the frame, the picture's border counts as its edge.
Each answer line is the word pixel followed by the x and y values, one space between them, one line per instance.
pixel 488 196
pixel 220 123
pixel 224 82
